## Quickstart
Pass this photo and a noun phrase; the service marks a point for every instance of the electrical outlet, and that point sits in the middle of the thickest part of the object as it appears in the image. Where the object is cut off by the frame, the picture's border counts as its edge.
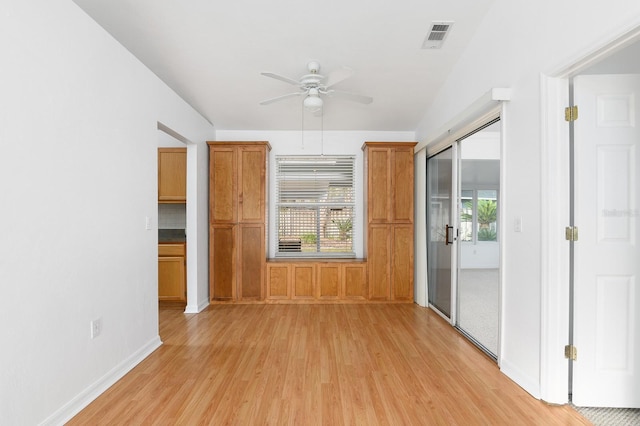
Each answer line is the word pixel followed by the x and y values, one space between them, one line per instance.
pixel 147 223
pixel 96 328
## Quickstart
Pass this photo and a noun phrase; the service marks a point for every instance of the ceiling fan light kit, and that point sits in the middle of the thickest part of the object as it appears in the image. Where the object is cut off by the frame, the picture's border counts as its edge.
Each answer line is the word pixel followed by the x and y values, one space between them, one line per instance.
pixel 314 85
pixel 313 100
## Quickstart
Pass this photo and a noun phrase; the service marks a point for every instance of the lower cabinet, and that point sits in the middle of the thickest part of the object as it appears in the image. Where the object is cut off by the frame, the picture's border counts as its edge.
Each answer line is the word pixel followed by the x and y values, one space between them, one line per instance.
pixel 354 281
pixel 309 281
pixel 237 257
pixel 390 262
pixel 172 272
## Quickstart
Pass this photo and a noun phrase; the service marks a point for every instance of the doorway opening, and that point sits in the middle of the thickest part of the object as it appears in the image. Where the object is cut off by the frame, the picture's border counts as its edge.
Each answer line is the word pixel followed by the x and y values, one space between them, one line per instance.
pixel 172 221
pixel 590 300
pixel 605 186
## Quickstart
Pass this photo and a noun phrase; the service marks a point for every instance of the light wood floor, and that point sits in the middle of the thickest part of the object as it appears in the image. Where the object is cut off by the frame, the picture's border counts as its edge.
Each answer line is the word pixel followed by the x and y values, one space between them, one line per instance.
pixel 381 364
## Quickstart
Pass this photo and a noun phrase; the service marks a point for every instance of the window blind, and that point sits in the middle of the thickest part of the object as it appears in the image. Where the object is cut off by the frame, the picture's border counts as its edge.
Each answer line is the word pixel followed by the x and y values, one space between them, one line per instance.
pixel 315 205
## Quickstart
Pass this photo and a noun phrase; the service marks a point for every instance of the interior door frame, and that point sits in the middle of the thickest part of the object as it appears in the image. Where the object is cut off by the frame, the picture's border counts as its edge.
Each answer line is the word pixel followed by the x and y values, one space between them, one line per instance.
pixel 556 210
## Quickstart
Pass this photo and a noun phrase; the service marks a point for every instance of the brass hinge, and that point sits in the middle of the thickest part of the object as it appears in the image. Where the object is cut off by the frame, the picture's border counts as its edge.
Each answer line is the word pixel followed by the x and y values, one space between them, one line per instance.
pixel 571 233
pixel 571 352
pixel 571 113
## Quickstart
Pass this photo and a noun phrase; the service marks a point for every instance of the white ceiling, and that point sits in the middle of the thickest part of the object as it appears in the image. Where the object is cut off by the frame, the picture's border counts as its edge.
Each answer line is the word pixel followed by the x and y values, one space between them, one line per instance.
pixel 211 52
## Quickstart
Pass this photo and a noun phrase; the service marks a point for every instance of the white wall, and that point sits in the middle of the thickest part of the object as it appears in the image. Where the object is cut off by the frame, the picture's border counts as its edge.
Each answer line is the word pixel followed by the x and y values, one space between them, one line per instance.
pixel 316 143
pixel 78 177
pixel 515 43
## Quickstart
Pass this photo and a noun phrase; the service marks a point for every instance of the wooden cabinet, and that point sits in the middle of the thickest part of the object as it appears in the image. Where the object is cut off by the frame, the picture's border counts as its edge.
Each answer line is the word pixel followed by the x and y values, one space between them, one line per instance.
pixel 238 219
pixel 390 262
pixel 379 261
pixel 390 172
pixel 339 280
pixel 172 175
pixel 172 272
pixel 329 281
pixel 278 282
pixel 251 261
pixel 389 197
pixel 303 281
pixel 222 261
pixel 354 281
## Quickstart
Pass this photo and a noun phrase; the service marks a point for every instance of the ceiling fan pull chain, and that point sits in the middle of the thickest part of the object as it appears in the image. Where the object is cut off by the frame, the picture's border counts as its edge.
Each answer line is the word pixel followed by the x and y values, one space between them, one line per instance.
pixel 322 134
pixel 302 125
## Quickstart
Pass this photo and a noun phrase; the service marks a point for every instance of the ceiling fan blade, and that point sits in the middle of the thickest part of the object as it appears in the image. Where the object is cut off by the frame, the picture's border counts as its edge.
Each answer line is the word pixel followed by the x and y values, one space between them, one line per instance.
pixel 279 98
pixel 339 75
pixel 281 78
pixel 350 96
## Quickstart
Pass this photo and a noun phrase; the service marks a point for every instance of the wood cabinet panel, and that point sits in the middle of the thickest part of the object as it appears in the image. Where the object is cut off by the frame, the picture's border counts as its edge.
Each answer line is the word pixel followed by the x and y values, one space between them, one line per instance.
pixel 251 178
pixel 172 175
pixel 379 261
pixel 223 185
pixel 278 281
pixel 354 281
pixel 171 278
pixel 402 184
pixel 251 259
pixel 222 251
pixel 378 178
pixel 329 278
pixel 402 269
pixel 171 249
pixel 303 281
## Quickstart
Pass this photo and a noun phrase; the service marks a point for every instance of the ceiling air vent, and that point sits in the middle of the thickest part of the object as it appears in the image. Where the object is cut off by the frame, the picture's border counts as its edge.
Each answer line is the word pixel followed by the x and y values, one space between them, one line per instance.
pixel 437 35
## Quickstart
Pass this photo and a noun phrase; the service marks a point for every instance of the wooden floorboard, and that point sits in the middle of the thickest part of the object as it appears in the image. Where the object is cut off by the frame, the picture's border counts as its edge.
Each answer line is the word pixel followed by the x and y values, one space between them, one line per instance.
pixel 396 364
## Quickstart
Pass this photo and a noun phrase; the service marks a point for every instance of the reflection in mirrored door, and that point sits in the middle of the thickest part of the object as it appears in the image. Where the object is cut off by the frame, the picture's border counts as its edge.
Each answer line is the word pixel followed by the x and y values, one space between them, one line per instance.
pixel 478 284
pixel 440 230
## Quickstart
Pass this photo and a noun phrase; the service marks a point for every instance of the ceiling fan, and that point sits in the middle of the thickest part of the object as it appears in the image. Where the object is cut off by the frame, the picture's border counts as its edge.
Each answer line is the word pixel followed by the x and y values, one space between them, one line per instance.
pixel 314 85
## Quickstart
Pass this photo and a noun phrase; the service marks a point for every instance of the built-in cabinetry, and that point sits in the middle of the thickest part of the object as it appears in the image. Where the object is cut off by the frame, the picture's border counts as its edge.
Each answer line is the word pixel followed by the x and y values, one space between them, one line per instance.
pixel 172 272
pixel 239 270
pixel 389 210
pixel 316 280
pixel 172 175
pixel 238 217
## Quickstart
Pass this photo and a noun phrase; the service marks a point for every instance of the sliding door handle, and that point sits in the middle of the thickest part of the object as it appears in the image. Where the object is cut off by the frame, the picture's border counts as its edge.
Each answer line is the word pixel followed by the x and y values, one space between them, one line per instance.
pixel 446 235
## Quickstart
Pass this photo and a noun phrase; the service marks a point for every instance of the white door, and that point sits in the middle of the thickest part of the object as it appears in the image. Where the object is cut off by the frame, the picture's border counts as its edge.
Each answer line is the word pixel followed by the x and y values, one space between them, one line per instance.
pixel 607 258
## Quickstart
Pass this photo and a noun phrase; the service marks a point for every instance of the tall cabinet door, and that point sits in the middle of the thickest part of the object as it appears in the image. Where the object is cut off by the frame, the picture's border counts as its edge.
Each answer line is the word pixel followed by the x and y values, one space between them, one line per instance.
pixel 251 184
pixel 251 261
pixel 222 267
pixel 379 262
pixel 401 207
pixel 379 185
pixel 402 262
pixel 223 185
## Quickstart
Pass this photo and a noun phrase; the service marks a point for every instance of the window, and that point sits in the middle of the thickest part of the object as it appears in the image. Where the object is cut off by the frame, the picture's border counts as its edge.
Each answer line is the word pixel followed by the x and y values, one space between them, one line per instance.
pixel 481 226
pixel 315 206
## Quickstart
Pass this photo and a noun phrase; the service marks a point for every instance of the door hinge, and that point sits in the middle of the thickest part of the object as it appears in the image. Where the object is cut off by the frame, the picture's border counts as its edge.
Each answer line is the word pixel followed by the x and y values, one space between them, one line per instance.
pixel 571 113
pixel 571 352
pixel 571 233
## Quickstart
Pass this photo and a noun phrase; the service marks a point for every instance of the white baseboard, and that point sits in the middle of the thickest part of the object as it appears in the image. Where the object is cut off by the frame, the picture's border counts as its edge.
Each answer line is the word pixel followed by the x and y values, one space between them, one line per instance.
pixel 190 309
pixel 522 380
pixel 84 398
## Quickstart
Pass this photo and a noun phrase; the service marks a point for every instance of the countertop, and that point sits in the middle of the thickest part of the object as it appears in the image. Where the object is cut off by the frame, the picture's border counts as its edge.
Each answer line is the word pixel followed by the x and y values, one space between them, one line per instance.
pixel 171 236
